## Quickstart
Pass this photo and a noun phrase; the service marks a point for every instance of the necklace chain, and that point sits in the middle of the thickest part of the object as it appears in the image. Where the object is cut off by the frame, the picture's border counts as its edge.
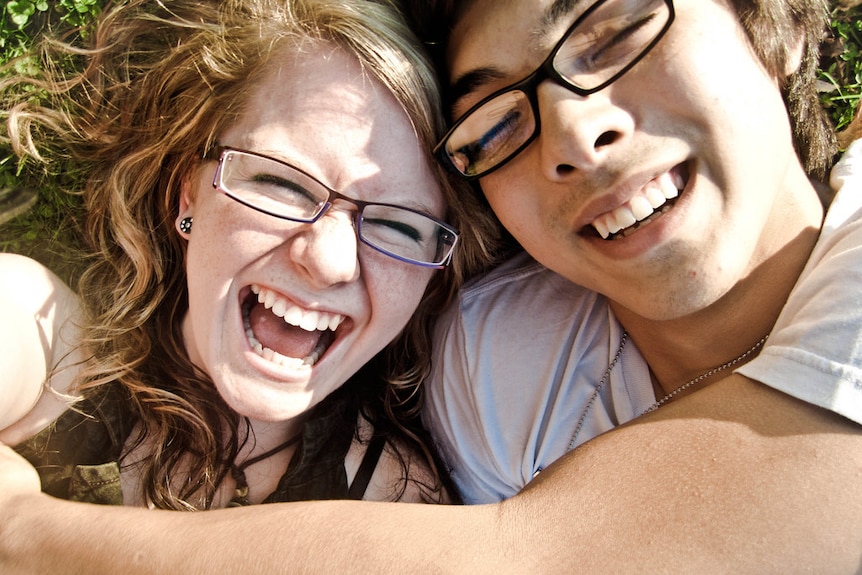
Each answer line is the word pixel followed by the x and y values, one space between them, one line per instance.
pixel 602 382
pixel 240 498
pixel 606 377
pixel 705 375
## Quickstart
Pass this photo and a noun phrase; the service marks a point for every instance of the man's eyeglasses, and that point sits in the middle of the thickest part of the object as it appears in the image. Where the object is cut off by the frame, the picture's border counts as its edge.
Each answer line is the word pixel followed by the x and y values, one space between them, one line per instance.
pixel 283 191
pixel 604 43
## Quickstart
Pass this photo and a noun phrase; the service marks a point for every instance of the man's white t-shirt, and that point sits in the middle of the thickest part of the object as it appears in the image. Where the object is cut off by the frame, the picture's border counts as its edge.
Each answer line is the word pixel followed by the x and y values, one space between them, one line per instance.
pixel 521 360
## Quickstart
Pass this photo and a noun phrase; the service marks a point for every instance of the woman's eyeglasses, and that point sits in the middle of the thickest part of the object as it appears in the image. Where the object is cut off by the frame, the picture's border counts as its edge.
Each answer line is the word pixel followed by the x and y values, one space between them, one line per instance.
pixel 283 191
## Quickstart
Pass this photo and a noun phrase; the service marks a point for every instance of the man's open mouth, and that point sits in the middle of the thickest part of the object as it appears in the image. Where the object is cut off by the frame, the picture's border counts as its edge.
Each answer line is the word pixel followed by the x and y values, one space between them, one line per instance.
pixel 284 333
pixel 655 198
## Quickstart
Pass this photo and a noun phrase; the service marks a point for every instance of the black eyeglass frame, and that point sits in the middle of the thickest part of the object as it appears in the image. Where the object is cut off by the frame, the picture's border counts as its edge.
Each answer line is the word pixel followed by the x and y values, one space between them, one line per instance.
pixel 528 85
pixel 218 154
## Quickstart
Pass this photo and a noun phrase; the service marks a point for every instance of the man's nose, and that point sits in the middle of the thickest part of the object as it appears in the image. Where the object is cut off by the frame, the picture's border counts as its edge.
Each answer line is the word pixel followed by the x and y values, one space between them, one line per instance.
pixel 577 132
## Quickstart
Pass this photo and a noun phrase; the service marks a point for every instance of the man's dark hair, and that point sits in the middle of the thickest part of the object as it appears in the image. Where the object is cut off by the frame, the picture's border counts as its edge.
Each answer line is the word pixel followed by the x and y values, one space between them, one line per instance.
pixel 773 27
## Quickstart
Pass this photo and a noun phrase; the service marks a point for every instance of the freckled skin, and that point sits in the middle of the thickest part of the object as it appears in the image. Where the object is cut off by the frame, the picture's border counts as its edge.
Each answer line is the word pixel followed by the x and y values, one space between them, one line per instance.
pixel 739 206
pixel 317 266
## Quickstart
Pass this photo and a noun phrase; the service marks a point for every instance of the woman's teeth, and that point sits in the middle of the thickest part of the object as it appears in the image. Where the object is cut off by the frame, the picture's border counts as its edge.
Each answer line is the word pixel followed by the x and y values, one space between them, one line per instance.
pixel 653 199
pixel 307 320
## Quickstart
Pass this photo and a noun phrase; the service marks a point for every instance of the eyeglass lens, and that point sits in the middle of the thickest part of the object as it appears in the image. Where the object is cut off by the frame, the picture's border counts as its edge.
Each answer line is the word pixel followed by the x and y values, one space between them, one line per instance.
pixel 603 43
pixel 281 190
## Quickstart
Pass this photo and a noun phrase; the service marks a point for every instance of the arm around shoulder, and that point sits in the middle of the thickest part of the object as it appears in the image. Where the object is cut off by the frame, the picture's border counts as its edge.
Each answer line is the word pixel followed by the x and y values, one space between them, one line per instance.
pixel 734 478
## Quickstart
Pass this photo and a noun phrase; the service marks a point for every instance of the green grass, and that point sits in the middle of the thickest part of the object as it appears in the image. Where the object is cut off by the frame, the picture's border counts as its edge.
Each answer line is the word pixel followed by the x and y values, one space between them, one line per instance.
pixel 46 230
pixel 841 66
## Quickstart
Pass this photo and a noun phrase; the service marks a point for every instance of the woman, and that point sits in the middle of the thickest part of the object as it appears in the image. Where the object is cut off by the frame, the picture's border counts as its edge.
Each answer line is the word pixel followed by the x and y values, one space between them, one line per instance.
pixel 264 220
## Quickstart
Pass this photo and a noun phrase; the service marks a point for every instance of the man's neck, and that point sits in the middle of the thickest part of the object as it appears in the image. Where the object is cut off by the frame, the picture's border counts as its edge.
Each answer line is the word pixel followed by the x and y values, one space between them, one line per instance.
pixel 678 350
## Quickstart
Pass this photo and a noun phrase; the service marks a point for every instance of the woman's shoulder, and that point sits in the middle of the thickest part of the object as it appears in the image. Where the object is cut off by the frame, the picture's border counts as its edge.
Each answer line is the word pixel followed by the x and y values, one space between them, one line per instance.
pixel 30 293
pixel 27 267
pixel 403 471
pixel 30 284
pixel 38 338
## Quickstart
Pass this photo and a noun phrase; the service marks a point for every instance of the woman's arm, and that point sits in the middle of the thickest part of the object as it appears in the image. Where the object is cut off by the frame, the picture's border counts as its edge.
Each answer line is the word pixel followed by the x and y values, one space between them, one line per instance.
pixel 734 478
pixel 36 334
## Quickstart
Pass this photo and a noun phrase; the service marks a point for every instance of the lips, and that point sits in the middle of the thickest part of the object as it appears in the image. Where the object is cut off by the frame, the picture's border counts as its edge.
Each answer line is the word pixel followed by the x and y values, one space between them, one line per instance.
pixel 652 200
pixel 284 333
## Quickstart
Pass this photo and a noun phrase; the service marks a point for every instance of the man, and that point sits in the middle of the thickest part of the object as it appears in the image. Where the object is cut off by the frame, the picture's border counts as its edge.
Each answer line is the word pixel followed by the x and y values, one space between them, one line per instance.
pixel 734 477
pixel 639 179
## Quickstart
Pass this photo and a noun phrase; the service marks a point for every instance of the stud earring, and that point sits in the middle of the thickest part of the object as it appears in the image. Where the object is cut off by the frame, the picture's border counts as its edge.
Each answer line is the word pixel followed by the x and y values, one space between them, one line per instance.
pixel 186 225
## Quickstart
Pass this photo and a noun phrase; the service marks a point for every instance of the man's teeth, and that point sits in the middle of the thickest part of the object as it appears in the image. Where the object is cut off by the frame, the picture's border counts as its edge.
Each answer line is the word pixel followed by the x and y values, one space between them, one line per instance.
pixel 653 197
pixel 307 320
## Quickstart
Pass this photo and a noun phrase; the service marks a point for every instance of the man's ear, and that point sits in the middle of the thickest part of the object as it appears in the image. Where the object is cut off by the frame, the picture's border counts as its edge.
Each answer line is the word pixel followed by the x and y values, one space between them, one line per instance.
pixel 794 55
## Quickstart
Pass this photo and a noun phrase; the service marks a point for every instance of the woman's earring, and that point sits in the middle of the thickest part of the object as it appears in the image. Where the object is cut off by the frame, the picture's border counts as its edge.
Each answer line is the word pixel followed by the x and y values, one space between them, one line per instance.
pixel 186 225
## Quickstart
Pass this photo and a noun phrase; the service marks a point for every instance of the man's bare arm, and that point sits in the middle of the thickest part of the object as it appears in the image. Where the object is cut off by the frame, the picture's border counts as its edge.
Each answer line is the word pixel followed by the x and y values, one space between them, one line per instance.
pixel 734 478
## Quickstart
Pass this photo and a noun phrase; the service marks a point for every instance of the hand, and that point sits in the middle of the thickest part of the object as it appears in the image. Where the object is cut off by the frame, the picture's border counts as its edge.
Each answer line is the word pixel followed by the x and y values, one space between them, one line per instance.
pixel 19 481
pixel 17 476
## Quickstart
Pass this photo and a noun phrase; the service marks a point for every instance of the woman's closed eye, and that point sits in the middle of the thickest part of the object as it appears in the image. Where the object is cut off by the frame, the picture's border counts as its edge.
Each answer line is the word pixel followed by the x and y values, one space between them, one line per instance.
pixel 391 231
pixel 281 189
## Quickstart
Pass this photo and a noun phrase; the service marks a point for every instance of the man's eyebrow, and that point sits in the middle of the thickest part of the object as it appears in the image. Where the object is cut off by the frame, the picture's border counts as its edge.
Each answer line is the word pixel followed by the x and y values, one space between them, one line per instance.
pixel 471 81
pixel 475 79
pixel 551 17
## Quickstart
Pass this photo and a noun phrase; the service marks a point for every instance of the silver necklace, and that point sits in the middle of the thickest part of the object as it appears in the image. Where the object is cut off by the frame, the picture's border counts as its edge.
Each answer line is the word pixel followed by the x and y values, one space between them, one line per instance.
pixel 606 377
pixel 602 382
pixel 705 375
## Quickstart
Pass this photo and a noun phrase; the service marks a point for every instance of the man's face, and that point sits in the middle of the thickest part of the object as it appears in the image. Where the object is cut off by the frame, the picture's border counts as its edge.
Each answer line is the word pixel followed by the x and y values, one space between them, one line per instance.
pixel 697 128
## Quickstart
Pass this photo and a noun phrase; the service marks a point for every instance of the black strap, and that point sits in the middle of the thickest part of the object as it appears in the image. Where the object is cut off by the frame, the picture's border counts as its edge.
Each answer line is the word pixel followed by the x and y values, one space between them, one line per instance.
pixel 366 468
pixel 240 498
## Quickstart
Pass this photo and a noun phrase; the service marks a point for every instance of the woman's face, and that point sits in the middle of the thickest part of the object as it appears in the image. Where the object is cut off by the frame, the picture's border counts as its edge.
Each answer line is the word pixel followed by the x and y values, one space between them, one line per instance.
pixel 341 301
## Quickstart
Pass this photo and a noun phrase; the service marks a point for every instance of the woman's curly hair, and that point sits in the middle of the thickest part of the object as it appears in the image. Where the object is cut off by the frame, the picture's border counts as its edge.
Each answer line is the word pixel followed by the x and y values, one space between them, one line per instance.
pixel 159 81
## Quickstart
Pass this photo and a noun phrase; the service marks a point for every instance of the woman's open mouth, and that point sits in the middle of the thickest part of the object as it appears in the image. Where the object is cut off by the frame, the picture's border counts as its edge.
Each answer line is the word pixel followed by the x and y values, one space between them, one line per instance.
pixel 654 199
pixel 284 333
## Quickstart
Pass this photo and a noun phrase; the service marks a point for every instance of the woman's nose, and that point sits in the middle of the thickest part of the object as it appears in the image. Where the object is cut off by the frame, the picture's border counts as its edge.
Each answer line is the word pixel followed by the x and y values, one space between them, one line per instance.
pixel 326 250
